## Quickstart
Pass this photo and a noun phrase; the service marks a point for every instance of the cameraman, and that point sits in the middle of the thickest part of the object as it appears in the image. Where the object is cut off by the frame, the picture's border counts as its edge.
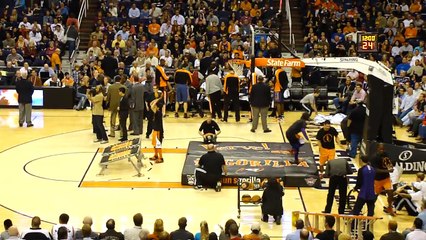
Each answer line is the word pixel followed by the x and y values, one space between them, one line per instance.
pixel 96 97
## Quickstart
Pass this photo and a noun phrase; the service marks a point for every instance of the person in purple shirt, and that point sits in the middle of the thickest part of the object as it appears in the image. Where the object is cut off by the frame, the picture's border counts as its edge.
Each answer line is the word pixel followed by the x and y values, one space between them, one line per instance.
pixel 365 187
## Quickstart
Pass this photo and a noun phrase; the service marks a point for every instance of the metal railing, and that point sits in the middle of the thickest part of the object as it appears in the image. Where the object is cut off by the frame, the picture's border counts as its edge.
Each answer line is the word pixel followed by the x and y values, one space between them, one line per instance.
pixel 82 14
pixel 290 24
pixel 350 224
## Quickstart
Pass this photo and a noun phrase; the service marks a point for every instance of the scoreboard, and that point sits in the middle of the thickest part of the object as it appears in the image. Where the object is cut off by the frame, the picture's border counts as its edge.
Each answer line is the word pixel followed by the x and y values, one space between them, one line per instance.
pixel 367 43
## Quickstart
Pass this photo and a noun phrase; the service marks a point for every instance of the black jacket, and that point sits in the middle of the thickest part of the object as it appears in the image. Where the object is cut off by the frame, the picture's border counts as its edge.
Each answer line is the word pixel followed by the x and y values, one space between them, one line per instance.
pixel 25 90
pixel 272 201
pixel 260 95
pixel 124 106
pixel 110 64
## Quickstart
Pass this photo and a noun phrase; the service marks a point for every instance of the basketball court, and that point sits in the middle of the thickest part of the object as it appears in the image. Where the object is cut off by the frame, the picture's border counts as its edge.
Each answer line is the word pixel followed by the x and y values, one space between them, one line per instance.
pixel 54 168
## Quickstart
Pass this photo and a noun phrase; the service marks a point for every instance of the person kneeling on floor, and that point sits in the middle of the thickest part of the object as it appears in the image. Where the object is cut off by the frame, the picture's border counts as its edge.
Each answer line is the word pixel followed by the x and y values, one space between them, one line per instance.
pixel 209 130
pixel 209 170
pixel 272 201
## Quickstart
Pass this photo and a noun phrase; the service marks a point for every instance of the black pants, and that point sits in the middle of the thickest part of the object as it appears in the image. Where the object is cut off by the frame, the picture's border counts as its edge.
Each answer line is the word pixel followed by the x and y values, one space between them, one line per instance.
pixel 341 183
pixel 235 98
pixel 416 125
pixel 150 118
pixel 197 103
pixel 308 108
pixel 98 126
pixel 123 120
pixel 215 103
pixel 401 202
pixel 202 178
pixel 359 204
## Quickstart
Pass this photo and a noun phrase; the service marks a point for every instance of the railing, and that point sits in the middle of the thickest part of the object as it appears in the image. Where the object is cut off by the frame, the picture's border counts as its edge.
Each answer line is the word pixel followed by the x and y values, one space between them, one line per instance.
pixel 350 224
pixel 82 14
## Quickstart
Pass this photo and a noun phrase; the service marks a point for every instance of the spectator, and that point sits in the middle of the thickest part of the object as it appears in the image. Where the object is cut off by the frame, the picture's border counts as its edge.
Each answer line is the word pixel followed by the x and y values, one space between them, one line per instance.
pixel 418 233
pixel 84 232
pixel 110 224
pixel 300 225
pixel 329 232
pixel 13 233
pixel 5 234
pixel 35 232
pixel 178 19
pixel 53 82
pixel 14 57
pixel 134 14
pixel 158 231
pixel 137 232
pixel 255 233
pixel 181 233
pixel 63 222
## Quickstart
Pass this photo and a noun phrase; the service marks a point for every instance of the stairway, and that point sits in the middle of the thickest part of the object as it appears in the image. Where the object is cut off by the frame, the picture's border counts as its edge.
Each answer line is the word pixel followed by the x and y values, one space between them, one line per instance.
pixel 87 24
pixel 297 27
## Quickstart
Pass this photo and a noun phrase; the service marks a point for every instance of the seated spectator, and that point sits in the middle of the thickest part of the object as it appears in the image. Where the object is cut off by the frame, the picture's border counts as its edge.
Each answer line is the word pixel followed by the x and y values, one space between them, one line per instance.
pixel 418 233
pixel 15 57
pixel 46 69
pixel 110 232
pixel 137 231
pixel 67 81
pixel 52 82
pixel 158 232
pixel 86 230
pixel 181 233
pixel 204 231
pixel 35 79
pixel 118 40
pixel 35 232
pixel 9 42
pixel 63 224
pixel 329 231
pixel 7 224
pixel 300 225
pixel 134 14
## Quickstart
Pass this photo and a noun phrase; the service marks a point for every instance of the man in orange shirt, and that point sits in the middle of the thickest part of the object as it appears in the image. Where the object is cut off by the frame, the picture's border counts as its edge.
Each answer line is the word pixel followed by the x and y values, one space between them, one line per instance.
pixel 154 29
pixel 410 31
pixel 348 28
pixel 55 60
pixel 415 7
pixel 245 5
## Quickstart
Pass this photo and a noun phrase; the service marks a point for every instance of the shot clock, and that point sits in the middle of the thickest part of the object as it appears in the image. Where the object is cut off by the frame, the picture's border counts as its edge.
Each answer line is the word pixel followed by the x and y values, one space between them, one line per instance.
pixel 367 42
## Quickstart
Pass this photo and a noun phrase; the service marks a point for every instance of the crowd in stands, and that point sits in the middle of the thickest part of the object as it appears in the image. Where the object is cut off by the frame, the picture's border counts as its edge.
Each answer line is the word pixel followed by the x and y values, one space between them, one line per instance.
pixel 33 34
pixel 63 230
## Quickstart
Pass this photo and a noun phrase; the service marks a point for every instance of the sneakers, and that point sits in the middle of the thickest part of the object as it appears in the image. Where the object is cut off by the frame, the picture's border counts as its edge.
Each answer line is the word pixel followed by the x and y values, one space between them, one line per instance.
pixel 104 141
pixel 199 187
pixel 153 158
pixel 267 131
pixel 218 186
pixel 252 130
pixel 176 115
pixel 30 125
pixel 97 140
pixel 278 221
pixel 159 160
pixel 185 115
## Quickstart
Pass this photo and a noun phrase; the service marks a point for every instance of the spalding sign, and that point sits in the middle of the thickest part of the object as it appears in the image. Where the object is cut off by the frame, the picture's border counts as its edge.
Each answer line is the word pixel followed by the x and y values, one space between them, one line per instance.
pixel 405 155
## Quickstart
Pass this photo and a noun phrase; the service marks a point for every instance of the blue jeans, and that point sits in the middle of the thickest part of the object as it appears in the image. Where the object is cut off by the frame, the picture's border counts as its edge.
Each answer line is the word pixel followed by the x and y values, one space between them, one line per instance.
pixel 82 101
pixel 355 140
pixel 336 102
pixel 402 114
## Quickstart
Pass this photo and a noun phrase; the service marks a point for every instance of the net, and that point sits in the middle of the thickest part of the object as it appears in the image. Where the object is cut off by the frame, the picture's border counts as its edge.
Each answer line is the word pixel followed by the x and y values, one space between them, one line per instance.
pixel 237 67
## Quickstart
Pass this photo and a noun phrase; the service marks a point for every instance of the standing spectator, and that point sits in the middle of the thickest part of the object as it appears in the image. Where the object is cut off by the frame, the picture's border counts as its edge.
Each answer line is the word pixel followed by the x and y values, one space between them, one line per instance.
pixel 294 138
pixel 393 233
pixel 383 166
pixel 71 37
pixel 210 169
pixel 355 125
pixel 25 90
pixel 214 91
pixel 96 97
pixel 181 233
pixel 109 65
pixel 272 201
pixel 113 100
pixel 137 231
pixel 137 104
pixel 55 60
pixel 337 170
pixel 309 102
pixel 326 137
pixel 260 98
pixel 365 187
pixel 110 232
pixel 329 231
pixel 123 113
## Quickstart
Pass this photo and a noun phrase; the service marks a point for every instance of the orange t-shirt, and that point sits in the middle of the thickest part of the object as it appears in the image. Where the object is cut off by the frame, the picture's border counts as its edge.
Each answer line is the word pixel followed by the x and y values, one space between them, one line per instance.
pixel 153 50
pixel 245 6
pixel 349 29
pixel 415 8
pixel 254 12
pixel 410 32
pixel 154 28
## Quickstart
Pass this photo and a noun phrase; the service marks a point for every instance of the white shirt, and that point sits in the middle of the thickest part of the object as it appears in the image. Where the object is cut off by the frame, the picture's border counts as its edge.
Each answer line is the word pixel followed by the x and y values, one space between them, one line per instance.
pixel 113 11
pixel 408 102
pixel 417 234
pixel 57 226
pixel 169 60
pixel 155 13
pixel 60 35
pixel 353 75
pixel 35 36
pixel 395 51
pixel 153 61
pixel 407 22
pixel 414 58
pixel 134 13
pixel 179 18
pixel 133 233
pixel 27 25
pixel 23 70
pixel 137 69
pixel 165 29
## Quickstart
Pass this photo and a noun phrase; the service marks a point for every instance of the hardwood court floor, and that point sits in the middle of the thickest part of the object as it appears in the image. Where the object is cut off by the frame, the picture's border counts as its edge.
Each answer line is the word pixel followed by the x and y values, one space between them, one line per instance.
pixel 43 166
